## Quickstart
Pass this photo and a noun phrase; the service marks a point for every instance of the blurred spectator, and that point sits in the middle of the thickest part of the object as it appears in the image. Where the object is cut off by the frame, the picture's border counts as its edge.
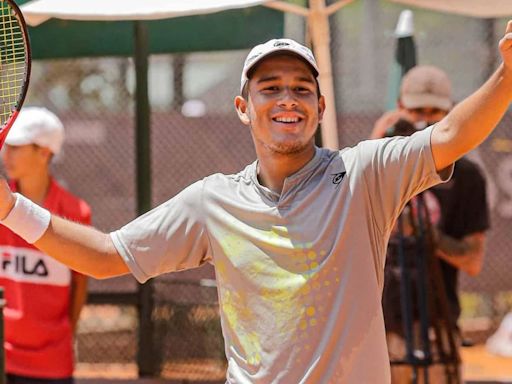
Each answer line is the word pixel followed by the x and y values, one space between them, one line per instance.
pixel 44 297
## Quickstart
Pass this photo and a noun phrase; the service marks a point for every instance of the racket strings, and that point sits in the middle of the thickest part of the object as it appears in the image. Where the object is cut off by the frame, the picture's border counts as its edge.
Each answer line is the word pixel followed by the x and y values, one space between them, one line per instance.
pixel 13 61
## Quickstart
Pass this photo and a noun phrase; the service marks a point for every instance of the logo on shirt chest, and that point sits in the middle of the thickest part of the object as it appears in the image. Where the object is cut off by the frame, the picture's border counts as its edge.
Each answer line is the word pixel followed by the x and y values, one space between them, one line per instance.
pixel 337 178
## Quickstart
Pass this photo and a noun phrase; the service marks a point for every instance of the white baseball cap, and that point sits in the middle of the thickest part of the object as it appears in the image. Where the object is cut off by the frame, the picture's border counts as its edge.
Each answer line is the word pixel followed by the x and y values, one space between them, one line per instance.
pixel 37 125
pixel 274 46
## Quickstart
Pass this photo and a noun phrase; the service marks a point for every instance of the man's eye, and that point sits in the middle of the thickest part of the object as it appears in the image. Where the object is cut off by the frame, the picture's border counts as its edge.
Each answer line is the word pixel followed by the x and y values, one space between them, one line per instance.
pixel 302 89
pixel 270 89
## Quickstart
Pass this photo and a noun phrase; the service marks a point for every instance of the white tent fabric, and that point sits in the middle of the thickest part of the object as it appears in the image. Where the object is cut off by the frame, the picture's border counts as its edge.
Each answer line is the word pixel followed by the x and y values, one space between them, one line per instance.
pixel 473 8
pixel 39 11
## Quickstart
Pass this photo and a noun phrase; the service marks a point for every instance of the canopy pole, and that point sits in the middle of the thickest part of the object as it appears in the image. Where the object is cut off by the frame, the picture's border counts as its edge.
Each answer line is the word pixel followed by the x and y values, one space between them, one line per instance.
pixel 319 28
pixel 145 355
pixel 142 119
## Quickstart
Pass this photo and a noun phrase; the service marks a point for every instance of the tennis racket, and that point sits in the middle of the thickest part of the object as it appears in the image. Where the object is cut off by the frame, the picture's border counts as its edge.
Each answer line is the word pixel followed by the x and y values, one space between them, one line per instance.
pixel 14 64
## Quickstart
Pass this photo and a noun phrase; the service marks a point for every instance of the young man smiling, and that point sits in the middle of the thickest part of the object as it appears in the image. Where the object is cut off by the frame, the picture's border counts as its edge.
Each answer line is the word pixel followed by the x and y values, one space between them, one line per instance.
pixel 297 238
pixel 284 111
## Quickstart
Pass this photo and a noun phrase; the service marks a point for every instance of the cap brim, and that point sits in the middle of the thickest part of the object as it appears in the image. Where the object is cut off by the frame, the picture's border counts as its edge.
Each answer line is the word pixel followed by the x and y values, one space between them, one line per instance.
pixel 15 139
pixel 426 101
pixel 282 51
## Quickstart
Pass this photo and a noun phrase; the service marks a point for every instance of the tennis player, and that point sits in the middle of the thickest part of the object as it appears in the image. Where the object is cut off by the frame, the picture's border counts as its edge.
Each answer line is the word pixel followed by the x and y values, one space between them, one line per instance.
pixel 298 238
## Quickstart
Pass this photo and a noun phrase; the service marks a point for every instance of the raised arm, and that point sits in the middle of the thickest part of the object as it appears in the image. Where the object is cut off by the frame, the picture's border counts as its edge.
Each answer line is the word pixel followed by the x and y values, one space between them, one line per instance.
pixel 472 120
pixel 80 247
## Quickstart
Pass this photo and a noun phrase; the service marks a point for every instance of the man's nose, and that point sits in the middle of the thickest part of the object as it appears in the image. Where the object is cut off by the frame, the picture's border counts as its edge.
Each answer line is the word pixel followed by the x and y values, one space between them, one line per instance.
pixel 287 99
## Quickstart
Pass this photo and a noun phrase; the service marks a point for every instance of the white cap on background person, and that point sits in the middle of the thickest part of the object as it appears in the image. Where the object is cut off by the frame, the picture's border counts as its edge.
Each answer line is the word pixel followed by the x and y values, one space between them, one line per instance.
pixel 275 46
pixel 426 86
pixel 37 125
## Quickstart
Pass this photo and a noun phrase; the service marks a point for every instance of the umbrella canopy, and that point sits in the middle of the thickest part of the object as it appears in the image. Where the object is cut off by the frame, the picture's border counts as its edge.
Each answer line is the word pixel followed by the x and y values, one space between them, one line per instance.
pixel 39 11
pixel 241 27
pixel 474 8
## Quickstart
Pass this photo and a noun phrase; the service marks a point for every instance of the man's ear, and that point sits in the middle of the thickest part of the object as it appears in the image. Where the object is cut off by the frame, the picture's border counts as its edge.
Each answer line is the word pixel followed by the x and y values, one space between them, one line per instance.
pixel 321 108
pixel 241 107
pixel 46 153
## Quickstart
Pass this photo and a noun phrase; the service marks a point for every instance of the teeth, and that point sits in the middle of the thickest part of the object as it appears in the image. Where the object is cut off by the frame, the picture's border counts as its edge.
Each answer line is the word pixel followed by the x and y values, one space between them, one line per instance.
pixel 287 119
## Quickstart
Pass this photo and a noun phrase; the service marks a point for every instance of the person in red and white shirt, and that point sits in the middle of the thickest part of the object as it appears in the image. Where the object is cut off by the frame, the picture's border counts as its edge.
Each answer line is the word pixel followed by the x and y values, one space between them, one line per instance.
pixel 44 297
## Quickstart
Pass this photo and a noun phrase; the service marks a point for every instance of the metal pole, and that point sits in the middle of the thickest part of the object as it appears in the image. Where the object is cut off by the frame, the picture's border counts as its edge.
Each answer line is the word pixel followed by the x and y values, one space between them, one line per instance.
pixel 145 356
pixel 406 302
pixel 422 292
pixel 320 35
pixel 178 66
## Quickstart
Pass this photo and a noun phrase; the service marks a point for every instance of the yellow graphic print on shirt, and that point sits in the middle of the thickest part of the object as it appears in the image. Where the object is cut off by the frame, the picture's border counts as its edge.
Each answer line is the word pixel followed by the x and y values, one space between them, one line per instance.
pixel 287 289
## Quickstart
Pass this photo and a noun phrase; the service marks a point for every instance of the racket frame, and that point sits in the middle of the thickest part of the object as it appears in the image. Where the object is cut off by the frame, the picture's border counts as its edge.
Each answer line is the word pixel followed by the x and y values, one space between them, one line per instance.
pixel 26 78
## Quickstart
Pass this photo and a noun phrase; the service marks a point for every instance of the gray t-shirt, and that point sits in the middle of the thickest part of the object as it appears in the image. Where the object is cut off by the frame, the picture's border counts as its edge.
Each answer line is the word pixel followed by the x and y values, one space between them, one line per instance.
pixel 299 274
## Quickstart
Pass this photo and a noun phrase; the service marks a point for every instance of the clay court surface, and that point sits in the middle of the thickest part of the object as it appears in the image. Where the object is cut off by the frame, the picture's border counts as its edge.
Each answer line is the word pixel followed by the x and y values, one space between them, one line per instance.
pixel 479 366
pixel 192 370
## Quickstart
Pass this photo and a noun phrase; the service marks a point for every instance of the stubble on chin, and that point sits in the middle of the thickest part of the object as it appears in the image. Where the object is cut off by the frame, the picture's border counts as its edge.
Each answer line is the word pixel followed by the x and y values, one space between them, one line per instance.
pixel 283 146
pixel 286 148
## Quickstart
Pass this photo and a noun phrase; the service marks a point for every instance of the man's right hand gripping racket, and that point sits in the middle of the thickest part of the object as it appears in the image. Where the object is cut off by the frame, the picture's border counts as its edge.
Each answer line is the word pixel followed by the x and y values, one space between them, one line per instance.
pixel 14 64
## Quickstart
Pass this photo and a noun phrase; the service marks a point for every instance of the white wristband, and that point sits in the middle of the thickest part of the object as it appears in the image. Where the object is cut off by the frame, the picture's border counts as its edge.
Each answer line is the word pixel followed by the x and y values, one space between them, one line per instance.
pixel 27 219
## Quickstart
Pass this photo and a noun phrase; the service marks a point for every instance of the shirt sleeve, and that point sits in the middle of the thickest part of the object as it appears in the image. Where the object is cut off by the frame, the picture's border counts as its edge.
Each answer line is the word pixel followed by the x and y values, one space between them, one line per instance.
pixel 171 237
pixel 395 170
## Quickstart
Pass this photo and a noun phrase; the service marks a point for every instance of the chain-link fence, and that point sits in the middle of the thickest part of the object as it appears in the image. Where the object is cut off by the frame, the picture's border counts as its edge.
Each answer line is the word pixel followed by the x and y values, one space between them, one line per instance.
pixel 195 132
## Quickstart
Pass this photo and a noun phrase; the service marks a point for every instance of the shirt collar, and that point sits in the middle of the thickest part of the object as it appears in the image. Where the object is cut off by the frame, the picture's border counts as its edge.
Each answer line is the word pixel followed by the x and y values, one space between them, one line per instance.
pixel 292 179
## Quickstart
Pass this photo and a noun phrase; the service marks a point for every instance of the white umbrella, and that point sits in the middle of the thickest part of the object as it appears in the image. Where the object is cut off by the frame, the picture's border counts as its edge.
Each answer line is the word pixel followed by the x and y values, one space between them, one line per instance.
pixel 39 11
pixel 405 55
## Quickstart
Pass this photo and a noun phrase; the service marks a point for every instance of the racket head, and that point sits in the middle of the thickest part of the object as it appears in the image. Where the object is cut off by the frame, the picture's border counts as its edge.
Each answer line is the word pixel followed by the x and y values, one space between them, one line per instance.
pixel 15 64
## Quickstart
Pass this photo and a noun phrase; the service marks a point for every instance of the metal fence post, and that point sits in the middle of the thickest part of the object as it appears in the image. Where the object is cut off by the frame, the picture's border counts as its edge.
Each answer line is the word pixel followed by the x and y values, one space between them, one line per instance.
pixel 145 356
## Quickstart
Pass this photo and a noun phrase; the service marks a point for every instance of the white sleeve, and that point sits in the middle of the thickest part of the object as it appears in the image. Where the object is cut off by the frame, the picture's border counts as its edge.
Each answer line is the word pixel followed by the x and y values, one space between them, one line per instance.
pixel 171 237
pixel 395 170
